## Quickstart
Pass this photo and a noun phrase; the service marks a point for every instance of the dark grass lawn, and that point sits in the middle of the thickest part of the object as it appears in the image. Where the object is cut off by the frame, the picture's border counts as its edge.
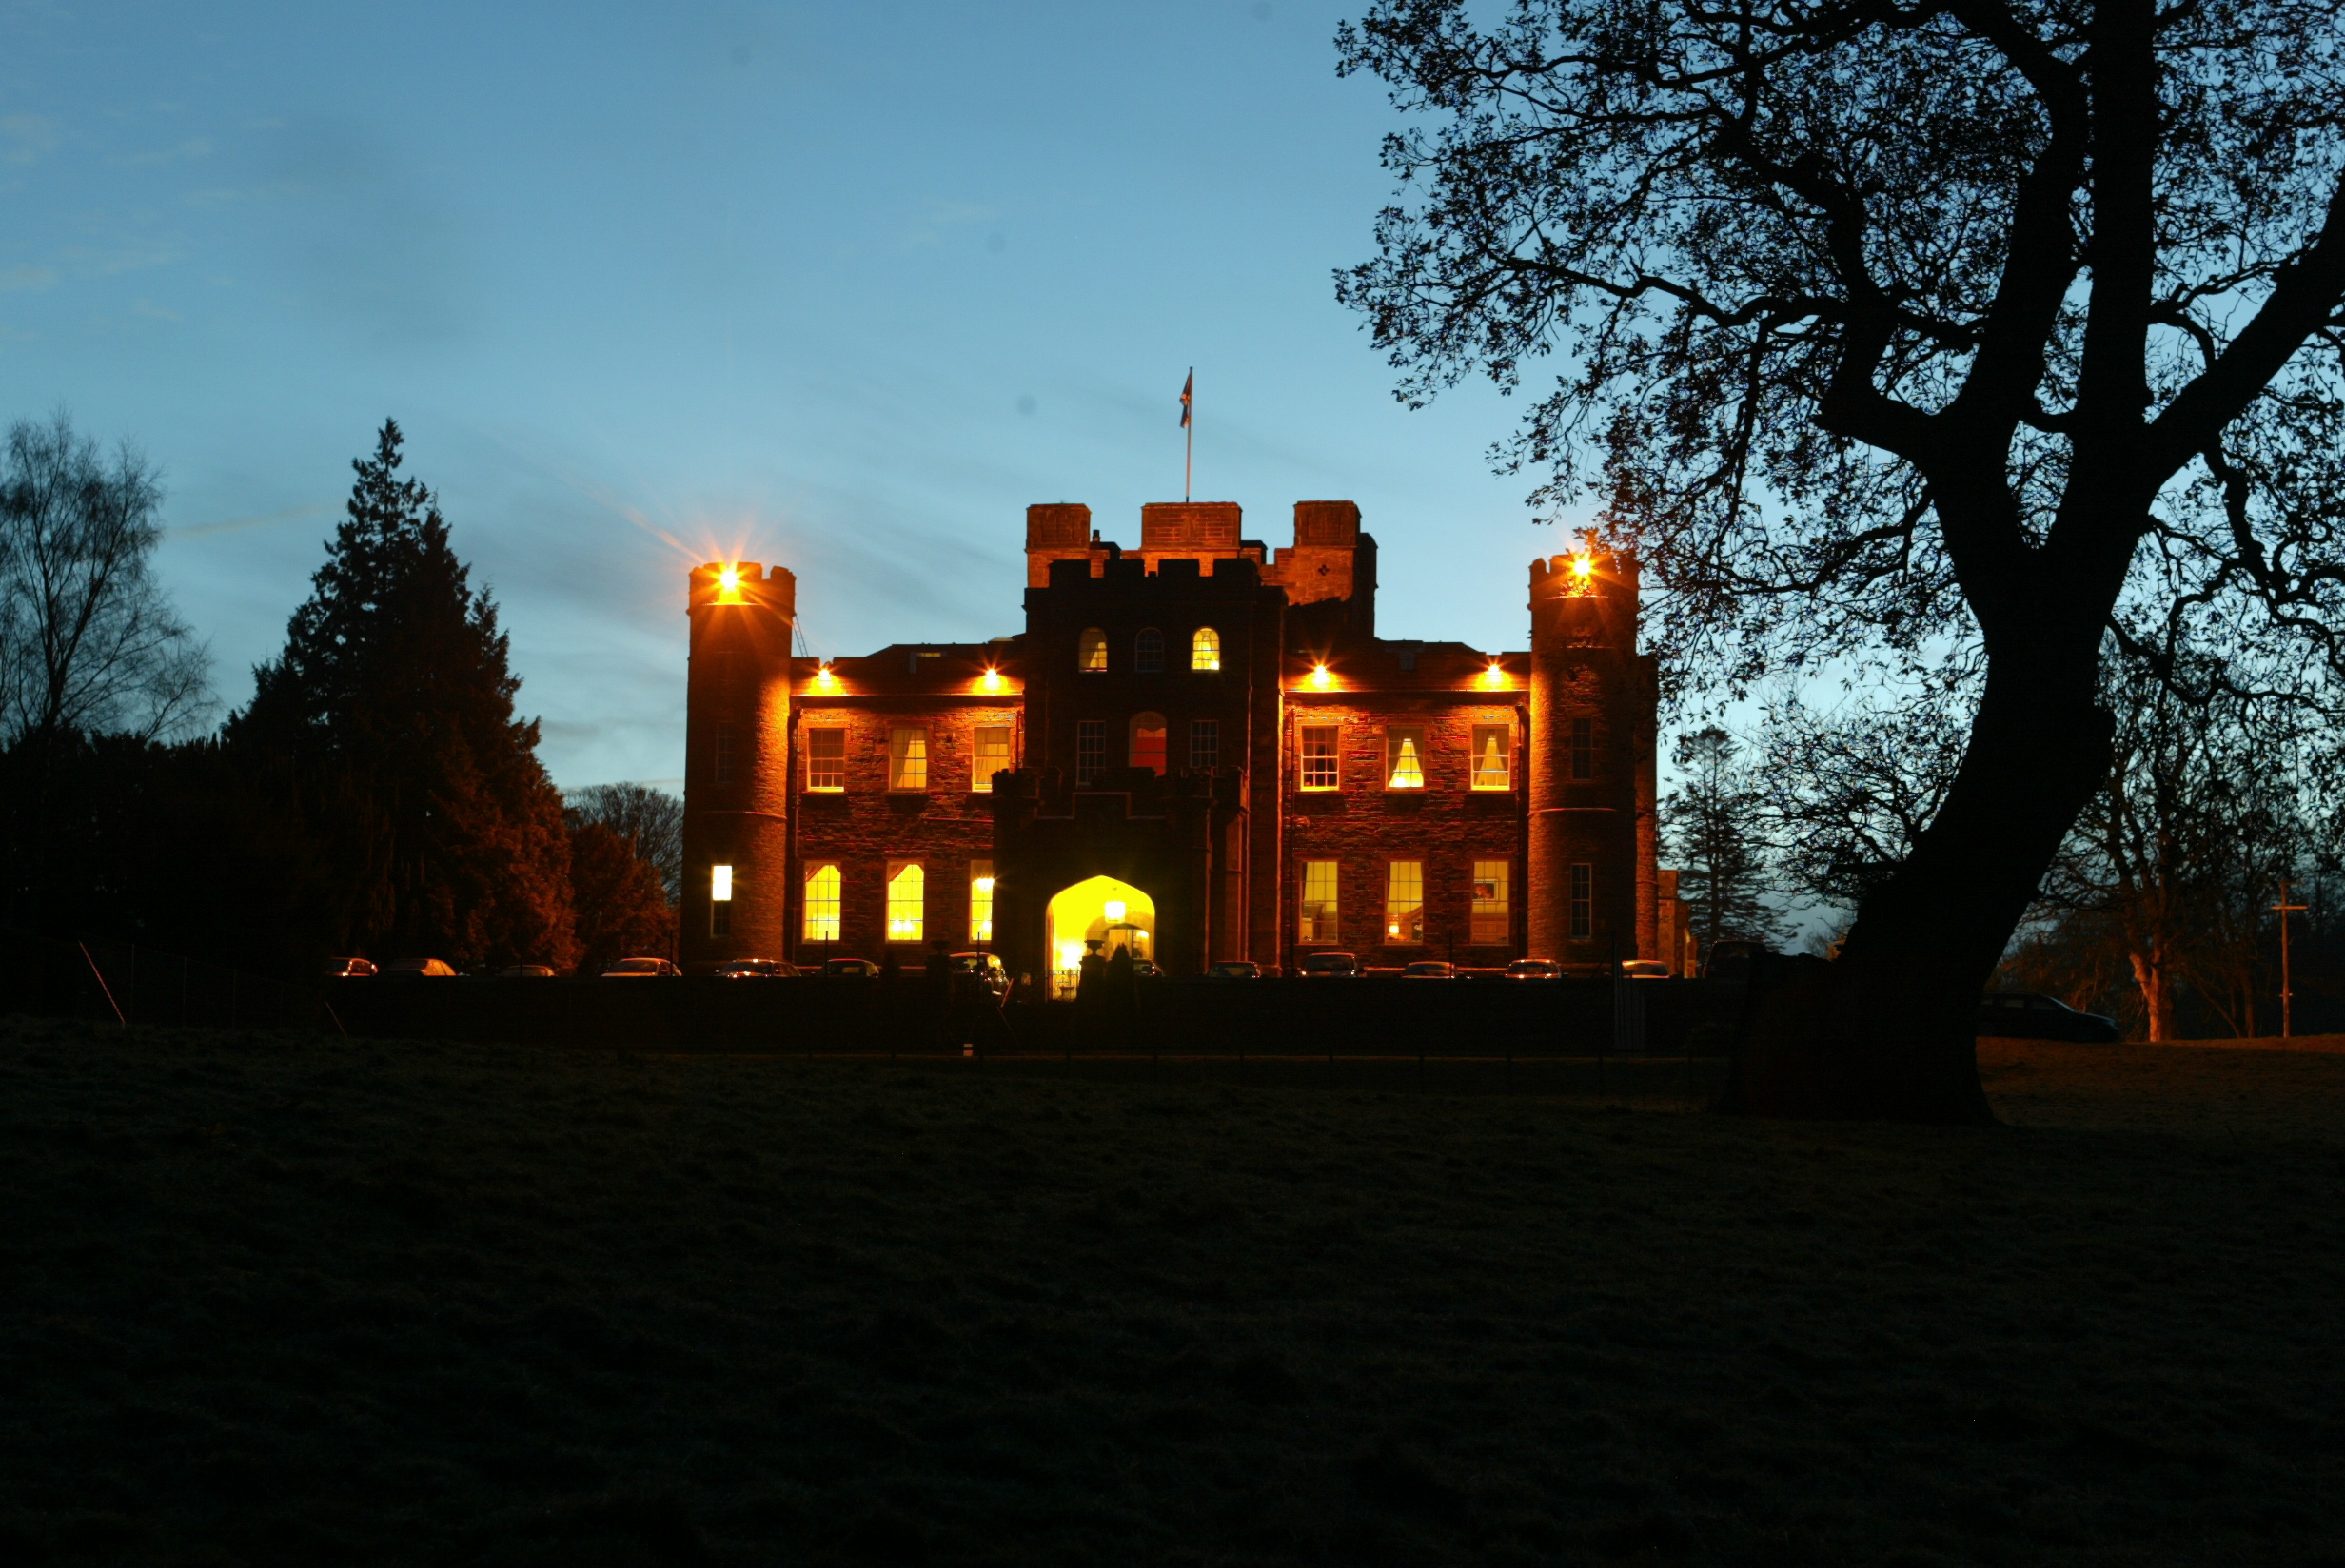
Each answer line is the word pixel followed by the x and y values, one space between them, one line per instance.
pixel 289 1301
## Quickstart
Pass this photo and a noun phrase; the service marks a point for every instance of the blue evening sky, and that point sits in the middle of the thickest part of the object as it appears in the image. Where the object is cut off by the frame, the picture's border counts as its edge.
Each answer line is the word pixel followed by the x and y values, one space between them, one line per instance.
pixel 838 286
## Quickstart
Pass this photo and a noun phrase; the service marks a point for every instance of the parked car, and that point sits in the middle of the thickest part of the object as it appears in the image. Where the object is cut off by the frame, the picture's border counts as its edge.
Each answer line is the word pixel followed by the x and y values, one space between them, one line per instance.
pixel 756 968
pixel 852 968
pixel 1534 969
pixel 1145 969
pixel 349 968
pixel 1643 969
pixel 988 964
pixel 1331 966
pixel 524 972
pixel 633 967
pixel 1429 968
pixel 418 969
pixel 1731 958
pixel 2025 1016
pixel 1234 968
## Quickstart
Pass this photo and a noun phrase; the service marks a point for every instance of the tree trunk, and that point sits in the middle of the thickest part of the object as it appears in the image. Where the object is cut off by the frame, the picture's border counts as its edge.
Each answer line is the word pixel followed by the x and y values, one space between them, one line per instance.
pixel 2151 973
pixel 1887 1029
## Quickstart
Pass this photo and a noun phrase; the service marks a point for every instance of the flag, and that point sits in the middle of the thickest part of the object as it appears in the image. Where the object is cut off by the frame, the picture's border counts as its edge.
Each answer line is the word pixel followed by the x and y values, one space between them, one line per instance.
pixel 1187 387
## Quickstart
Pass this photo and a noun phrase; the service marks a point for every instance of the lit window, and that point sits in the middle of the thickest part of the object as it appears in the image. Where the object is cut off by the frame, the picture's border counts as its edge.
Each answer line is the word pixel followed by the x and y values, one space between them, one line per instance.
pixel 1403 759
pixel 993 756
pixel 980 901
pixel 1582 747
pixel 1205 744
pixel 1204 649
pixel 719 900
pixel 907 901
pixel 1148 650
pixel 822 904
pixel 1404 902
pixel 826 759
pixel 1148 746
pixel 1091 650
pixel 1318 902
pixel 1319 765
pixel 1583 901
pixel 1490 924
pixel 908 757
pixel 1090 748
pixel 1491 743
pixel 724 754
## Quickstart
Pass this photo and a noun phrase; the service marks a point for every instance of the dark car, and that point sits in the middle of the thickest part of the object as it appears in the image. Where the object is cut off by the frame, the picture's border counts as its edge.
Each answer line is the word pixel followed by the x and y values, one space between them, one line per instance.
pixel 629 968
pixel 1331 966
pixel 852 968
pixel 1234 968
pixel 986 966
pixel 2025 1015
pixel 524 972
pixel 1534 969
pixel 756 968
pixel 418 969
pixel 1731 959
pixel 349 968
pixel 1429 968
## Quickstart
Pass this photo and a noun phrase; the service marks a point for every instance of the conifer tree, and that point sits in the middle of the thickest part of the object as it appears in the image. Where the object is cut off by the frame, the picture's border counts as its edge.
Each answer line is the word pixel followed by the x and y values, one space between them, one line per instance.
pixel 1712 823
pixel 394 697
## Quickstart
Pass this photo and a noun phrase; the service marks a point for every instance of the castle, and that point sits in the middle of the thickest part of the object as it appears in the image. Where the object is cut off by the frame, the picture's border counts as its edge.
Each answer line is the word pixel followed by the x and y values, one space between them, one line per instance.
pixel 1196 749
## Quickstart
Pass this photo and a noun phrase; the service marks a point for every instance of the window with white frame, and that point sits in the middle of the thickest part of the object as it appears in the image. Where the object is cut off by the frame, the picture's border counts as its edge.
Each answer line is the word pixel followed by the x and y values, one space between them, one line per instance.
pixel 1317 905
pixel 980 901
pixel 1204 649
pixel 1404 901
pixel 1321 768
pixel 1205 744
pixel 826 758
pixel 1091 651
pixel 907 901
pixel 822 887
pixel 908 757
pixel 1090 748
pixel 1583 901
pixel 1404 758
pixel 1148 741
pixel 993 756
pixel 1491 922
pixel 1148 650
pixel 1493 744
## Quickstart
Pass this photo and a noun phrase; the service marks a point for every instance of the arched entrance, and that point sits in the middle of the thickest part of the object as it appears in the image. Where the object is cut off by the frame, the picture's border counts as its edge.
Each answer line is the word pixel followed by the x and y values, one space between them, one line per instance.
pixel 1098 908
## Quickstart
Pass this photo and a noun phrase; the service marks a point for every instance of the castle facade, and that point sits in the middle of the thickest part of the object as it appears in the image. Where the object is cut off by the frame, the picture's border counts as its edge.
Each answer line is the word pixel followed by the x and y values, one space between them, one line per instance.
pixel 1198 749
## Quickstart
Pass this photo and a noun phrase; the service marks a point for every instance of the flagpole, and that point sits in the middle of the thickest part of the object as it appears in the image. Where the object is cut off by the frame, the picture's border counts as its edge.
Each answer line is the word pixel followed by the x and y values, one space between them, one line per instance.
pixel 1189 424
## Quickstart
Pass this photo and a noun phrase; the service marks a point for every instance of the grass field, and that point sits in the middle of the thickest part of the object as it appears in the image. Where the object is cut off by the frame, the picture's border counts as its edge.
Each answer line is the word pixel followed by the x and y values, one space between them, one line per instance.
pixel 286 1300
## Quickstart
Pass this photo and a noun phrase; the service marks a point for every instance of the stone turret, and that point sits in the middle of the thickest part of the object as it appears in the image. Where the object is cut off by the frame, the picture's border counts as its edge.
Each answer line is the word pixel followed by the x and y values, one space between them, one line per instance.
pixel 737 758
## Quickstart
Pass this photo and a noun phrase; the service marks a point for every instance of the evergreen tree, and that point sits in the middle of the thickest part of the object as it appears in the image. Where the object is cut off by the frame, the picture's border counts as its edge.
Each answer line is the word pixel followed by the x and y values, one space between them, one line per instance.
pixel 1711 822
pixel 394 699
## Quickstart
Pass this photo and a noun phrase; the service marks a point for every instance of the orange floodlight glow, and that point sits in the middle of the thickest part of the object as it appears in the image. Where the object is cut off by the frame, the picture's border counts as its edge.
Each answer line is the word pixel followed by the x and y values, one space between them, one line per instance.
pixel 823 675
pixel 1494 675
pixel 992 681
pixel 729 585
pixel 1320 678
pixel 1583 566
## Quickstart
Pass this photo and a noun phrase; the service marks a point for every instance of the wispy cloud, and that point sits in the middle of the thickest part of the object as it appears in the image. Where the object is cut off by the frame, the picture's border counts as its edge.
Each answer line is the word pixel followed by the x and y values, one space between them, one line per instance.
pixel 25 276
pixel 194 147
pixel 26 138
pixel 236 525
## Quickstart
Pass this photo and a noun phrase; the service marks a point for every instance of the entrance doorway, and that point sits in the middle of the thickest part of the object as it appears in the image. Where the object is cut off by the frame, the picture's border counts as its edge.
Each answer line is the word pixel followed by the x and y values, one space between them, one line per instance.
pixel 1098 908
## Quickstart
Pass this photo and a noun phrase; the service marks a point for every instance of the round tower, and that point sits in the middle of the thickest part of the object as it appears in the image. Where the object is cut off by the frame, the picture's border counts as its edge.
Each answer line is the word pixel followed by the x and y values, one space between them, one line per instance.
pixel 736 765
pixel 1585 686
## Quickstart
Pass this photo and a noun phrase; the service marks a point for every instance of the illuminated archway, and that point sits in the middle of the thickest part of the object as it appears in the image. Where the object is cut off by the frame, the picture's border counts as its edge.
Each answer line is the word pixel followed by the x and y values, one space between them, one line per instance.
pixel 1098 908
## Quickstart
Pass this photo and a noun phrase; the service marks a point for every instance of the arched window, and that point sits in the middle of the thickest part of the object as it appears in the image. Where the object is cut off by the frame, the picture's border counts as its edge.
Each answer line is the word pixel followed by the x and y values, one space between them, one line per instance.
pixel 1204 649
pixel 1148 652
pixel 1148 741
pixel 1091 650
